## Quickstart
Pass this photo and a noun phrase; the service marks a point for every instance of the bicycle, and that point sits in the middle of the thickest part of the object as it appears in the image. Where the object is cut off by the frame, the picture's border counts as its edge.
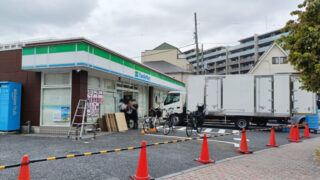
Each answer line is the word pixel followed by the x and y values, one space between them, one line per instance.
pixel 169 124
pixel 195 121
pixel 152 121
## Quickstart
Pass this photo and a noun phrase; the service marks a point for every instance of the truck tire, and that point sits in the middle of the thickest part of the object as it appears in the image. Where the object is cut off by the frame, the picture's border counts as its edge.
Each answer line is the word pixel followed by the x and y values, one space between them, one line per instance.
pixel 178 120
pixel 181 120
pixel 262 123
pixel 241 123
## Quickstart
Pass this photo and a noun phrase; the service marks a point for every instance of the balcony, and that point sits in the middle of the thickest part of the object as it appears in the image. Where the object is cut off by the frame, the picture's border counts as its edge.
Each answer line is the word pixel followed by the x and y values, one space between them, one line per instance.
pixel 233 62
pixel 241 53
pixel 221 65
pixel 222 51
pixel 250 43
pixel 221 72
pixel 230 70
pixel 244 60
pixel 264 48
pixel 216 59
pixel 272 38
pixel 246 67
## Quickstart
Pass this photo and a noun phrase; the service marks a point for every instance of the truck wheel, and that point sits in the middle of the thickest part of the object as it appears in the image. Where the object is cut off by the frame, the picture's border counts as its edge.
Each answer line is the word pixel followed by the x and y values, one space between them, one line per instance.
pixel 180 119
pixel 176 120
pixel 262 123
pixel 241 123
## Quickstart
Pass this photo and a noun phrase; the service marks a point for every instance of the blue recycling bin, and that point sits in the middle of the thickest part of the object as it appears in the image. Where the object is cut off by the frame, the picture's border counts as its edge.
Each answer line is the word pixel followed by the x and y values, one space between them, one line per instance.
pixel 10 106
pixel 313 121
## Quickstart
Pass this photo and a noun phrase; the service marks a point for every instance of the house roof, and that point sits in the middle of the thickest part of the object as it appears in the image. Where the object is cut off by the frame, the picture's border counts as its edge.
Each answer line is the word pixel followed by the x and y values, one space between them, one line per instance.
pixel 165 46
pixel 165 67
pixel 265 54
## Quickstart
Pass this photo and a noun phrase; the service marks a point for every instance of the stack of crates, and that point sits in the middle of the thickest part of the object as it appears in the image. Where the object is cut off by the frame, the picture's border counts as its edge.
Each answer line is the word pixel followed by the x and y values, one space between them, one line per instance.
pixel 10 106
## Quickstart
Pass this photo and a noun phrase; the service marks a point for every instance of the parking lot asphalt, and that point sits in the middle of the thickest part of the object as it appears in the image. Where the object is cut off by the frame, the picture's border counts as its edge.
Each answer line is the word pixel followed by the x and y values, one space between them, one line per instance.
pixel 162 160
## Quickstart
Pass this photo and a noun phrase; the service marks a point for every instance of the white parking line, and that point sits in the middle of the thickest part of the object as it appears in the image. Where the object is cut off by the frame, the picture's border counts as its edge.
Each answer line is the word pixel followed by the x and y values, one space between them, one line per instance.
pixel 207 130
pixel 239 139
pixel 221 131
pixel 235 132
pixel 210 140
pixel 182 129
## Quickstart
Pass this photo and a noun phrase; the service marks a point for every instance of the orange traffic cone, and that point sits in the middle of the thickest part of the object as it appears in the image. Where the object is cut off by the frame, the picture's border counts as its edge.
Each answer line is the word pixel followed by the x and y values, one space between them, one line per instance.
pixel 142 171
pixel 295 135
pixel 306 132
pixel 24 173
pixel 243 147
pixel 272 141
pixel 291 131
pixel 297 130
pixel 204 157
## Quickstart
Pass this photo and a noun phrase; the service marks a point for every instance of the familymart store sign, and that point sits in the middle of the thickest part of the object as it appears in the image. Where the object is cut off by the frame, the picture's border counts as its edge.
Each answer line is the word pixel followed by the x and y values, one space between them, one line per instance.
pixel 88 56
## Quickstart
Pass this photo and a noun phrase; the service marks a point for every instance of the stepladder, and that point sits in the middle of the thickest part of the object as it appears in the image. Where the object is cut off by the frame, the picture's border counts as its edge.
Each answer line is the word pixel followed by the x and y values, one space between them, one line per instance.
pixel 81 122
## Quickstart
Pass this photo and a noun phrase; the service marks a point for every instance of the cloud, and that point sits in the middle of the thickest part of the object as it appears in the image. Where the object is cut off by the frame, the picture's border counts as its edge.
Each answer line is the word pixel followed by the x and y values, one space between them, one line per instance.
pixel 131 27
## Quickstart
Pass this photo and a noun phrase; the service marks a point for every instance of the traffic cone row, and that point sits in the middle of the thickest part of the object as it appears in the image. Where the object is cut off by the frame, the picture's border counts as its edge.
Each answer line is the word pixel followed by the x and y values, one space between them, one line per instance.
pixel 142 170
pixel 295 134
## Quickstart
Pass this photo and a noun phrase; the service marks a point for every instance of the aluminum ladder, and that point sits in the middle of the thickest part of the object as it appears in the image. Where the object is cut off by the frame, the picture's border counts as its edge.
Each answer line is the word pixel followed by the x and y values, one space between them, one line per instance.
pixel 81 111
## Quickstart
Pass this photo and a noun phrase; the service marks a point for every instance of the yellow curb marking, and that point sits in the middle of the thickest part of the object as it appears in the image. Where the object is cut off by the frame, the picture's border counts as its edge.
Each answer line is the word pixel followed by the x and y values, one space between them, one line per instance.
pixel 51 158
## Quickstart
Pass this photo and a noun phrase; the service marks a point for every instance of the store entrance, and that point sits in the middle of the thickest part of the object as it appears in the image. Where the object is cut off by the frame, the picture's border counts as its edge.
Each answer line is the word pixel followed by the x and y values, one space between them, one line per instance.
pixel 126 96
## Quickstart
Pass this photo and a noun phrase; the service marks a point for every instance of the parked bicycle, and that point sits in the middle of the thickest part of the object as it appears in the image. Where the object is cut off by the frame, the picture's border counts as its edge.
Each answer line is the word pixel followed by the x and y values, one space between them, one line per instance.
pixel 169 123
pixel 153 120
pixel 195 120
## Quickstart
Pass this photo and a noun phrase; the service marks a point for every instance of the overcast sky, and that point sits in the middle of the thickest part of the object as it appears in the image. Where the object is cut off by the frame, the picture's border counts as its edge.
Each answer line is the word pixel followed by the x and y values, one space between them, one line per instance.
pixel 132 26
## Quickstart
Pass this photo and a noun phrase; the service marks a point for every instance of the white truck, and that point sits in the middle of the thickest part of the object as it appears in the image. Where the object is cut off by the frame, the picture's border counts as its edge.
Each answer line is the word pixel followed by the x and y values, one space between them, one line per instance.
pixel 241 99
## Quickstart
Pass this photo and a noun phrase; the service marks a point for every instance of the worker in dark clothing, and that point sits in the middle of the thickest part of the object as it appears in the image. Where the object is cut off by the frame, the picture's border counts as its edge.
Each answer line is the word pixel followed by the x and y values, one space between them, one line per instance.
pixel 134 115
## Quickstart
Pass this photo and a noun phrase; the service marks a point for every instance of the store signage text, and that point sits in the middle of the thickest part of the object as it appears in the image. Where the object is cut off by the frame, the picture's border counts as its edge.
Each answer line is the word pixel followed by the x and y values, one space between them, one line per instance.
pixel 142 76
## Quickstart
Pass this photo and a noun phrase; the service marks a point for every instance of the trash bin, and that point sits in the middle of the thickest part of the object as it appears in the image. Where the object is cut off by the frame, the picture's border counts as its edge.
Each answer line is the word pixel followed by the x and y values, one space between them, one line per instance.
pixel 313 121
pixel 10 106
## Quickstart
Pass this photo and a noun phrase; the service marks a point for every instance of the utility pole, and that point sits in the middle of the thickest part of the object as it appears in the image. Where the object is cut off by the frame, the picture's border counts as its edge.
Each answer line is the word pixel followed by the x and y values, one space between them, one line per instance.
pixel 203 68
pixel 196 41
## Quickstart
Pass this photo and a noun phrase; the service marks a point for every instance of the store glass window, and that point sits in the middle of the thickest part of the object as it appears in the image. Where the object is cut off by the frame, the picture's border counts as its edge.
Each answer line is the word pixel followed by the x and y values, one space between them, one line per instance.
pixel 108 84
pixel 57 79
pixel 143 100
pixel 108 105
pixel 93 82
pixel 56 106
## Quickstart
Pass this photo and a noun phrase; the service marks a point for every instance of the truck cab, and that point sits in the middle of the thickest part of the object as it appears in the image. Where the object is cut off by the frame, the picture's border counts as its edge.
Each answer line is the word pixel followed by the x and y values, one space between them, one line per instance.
pixel 175 100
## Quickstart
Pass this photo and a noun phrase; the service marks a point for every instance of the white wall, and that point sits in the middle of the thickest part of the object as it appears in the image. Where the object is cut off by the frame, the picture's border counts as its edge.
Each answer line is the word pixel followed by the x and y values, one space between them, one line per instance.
pixel 266 66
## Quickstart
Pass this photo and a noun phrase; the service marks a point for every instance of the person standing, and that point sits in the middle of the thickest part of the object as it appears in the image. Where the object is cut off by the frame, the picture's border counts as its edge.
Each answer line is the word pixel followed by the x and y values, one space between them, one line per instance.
pixel 122 106
pixel 134 115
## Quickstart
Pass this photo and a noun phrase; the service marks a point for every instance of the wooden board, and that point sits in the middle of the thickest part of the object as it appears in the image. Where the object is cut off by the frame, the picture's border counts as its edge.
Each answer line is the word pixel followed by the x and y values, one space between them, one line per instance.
pixel 112 121
pixel 102 124
pixel 106 119
pixel 121 122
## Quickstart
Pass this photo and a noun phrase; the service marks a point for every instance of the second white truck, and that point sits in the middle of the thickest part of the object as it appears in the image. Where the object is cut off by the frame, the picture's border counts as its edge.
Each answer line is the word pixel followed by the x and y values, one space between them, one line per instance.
pixel 241 99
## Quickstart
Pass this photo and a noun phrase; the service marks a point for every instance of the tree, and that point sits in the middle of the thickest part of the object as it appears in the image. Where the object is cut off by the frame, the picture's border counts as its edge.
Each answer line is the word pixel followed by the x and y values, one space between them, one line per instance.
pixel 303 43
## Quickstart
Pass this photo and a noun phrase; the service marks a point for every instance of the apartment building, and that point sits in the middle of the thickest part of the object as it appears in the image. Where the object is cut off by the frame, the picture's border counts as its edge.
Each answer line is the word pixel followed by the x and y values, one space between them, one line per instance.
pixel 238 59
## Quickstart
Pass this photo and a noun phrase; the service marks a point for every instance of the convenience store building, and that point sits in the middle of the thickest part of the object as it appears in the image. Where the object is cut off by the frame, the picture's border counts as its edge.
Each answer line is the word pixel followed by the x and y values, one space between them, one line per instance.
pixel 55 74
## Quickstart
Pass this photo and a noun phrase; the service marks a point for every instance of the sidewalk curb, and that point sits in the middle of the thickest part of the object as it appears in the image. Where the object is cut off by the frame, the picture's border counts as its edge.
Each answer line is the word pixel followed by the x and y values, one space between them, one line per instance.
pixel 220 161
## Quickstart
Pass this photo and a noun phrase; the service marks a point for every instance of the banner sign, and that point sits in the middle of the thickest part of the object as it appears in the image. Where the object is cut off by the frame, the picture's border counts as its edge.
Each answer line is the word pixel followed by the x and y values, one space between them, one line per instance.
pixel 95 98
